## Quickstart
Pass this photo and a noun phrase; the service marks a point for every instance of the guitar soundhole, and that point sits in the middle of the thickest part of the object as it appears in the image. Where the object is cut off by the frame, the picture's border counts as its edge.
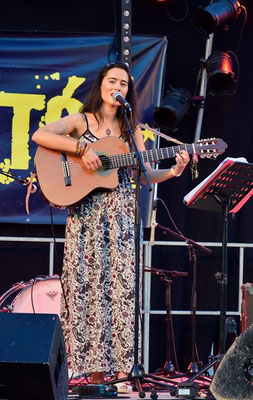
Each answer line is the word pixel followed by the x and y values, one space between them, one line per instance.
pixel 106 163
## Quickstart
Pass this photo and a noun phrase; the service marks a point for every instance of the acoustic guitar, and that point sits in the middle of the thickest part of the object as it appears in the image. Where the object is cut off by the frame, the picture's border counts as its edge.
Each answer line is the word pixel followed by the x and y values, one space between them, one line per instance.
pixel 64 180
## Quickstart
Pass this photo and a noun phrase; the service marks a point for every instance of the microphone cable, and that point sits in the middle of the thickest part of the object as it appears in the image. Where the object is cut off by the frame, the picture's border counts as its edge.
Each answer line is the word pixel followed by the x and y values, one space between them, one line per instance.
pixel 57 261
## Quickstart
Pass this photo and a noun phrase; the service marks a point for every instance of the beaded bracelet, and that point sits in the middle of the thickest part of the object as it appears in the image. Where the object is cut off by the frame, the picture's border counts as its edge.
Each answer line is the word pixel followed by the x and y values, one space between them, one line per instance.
pixel 78 148
pixel 81 148
pixel 174 173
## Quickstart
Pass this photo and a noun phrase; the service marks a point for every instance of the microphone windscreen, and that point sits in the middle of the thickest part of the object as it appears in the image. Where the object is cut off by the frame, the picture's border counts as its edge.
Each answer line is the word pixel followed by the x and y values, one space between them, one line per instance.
pixel 234 375
pixel 116 94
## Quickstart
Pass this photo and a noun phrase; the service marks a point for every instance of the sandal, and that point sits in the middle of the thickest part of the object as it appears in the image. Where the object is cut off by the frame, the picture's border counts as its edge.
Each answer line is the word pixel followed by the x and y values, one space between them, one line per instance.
pixel 123 387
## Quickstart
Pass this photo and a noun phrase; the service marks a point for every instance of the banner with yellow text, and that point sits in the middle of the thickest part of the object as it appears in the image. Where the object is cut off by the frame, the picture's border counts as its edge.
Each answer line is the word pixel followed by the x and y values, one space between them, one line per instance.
pixel 45 77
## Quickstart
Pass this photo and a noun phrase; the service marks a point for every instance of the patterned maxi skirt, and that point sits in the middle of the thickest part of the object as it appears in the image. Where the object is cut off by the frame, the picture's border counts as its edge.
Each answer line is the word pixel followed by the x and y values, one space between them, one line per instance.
pixel 98 279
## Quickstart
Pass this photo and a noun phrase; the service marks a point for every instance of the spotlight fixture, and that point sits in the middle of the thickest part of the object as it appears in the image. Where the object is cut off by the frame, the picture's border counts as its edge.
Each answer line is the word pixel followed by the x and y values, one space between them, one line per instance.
pixel 218 14
pixel 220 75
pixel 172 109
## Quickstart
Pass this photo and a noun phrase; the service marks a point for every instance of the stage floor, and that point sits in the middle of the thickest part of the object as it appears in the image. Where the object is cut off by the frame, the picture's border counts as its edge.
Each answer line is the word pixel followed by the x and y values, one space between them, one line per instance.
pixel 162 395
pixel 199 389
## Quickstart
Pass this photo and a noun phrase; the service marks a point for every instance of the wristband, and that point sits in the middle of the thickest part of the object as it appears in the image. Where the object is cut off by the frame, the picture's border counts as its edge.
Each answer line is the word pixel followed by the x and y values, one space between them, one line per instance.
pixel 174 173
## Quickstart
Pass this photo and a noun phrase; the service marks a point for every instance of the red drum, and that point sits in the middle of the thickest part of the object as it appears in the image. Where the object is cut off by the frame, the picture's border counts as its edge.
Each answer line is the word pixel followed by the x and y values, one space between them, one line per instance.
pixel 40 295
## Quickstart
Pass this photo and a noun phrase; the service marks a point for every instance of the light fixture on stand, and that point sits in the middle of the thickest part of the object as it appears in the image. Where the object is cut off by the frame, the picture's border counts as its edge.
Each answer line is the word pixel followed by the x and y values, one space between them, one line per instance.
pixel 172 109
pixel 221 77
pixel 218 14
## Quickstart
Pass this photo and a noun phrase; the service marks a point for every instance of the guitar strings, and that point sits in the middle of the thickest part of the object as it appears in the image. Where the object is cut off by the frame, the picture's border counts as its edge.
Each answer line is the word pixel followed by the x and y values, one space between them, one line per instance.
pixel 127 159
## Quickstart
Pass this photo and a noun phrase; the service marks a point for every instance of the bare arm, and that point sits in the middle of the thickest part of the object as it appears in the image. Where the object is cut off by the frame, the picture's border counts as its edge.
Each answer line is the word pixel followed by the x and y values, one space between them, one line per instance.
pixel 63 135
pixel 160 175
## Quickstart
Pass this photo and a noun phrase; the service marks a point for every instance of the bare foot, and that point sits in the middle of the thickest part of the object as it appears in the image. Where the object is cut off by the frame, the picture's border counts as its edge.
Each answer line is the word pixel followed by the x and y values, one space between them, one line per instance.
pixel 97 377
pixel 121 374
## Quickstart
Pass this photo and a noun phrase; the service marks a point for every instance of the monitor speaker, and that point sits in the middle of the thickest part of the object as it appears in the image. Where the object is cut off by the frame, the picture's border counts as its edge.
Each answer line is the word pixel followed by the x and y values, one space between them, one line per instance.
pixel 234 376
pixel 33 363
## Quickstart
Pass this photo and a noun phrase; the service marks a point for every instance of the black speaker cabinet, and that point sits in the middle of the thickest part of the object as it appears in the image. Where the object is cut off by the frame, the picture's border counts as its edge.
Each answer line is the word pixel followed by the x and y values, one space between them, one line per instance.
pixel 33 361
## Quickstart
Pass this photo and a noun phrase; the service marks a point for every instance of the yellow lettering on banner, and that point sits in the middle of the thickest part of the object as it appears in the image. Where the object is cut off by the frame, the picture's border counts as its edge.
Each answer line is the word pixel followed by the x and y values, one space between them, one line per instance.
pixel 57 104
pixel 22 105
pixel 5 166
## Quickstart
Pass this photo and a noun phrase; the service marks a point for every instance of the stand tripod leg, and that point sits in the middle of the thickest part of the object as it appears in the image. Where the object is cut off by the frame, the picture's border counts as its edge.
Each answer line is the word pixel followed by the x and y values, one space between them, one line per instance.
pixel 168 366
pixel 215 360
pixel 139 388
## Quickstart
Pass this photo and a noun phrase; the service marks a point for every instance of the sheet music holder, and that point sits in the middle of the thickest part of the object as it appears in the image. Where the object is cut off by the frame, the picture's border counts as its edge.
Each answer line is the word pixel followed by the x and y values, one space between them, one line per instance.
pixel 232 180
pixel 226 189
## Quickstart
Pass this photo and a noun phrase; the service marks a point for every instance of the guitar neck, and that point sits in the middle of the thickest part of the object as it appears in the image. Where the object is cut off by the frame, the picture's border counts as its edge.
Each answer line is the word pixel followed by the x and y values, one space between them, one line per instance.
pixel 129 159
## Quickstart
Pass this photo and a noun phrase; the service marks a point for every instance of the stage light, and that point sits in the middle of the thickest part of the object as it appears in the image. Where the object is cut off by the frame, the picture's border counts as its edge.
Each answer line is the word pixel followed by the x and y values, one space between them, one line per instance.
pixel 220 75
pixel 218 14
pixel 172 109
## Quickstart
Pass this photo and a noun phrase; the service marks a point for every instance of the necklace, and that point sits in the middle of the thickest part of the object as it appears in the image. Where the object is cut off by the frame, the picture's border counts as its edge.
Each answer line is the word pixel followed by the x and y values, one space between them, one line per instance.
pixel 108 131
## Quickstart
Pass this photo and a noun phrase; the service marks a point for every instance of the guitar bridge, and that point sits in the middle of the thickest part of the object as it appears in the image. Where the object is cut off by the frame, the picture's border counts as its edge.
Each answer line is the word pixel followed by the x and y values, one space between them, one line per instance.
pixel 65 169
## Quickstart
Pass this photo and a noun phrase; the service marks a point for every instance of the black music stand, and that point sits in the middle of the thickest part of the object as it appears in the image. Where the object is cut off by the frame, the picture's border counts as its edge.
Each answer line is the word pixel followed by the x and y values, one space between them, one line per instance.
pixel 226 190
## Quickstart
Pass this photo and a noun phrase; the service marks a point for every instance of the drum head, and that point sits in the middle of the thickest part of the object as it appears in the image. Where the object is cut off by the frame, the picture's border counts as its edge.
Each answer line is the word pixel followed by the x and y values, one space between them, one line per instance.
pixel 41 296
pixel 7 298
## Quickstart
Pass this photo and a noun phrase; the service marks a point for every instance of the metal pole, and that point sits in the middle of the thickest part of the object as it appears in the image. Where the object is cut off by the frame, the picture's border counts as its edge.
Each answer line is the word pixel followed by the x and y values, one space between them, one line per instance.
pixel 224 284
pixel 202 90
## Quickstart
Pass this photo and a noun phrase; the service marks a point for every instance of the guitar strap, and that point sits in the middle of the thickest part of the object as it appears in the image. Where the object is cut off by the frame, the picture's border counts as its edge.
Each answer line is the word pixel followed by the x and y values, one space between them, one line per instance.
pixel 158 133
pixel 194 160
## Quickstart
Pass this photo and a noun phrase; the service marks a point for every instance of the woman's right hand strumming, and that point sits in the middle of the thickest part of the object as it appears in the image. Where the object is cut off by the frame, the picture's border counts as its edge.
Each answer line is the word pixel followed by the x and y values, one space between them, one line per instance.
pixel 91 160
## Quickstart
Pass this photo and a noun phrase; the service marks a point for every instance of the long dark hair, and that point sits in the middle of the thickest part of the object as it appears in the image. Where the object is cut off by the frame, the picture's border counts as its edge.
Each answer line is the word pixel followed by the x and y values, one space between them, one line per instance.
pixel 94 101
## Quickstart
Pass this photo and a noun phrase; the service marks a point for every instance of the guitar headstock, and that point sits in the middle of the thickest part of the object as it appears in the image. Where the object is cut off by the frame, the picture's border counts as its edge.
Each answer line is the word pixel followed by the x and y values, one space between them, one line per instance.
pixel 210 147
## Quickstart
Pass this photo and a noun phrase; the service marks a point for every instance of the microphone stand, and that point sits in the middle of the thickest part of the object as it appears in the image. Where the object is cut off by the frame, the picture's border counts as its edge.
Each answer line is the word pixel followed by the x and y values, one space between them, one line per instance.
pixel 192 246
pixel 185 239
pixel 19 179
pixel 166 276
pixel 137 371
pixel 137 374
pixel 31 188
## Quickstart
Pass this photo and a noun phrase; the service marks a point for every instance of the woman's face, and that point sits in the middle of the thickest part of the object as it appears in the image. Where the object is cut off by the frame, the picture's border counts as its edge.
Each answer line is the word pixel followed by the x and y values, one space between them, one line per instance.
pixel 115 80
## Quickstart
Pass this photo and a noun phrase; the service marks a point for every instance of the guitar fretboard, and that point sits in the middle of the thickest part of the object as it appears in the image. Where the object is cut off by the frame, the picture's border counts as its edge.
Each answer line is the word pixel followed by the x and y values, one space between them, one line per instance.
pixel 129 159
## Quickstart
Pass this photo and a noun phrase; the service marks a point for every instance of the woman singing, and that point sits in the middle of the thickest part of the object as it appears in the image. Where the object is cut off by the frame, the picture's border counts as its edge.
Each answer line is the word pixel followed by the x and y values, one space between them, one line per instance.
pixel 98 273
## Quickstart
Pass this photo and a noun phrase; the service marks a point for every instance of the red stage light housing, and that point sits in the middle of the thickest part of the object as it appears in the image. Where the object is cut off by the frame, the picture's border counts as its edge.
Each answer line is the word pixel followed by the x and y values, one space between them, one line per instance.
pixel 221 77
pixel 218 14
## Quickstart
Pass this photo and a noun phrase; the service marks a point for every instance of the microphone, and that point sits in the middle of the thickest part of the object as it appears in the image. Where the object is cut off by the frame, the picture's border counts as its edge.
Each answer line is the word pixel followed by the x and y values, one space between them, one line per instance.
pixel 117 96
pixel 153 223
